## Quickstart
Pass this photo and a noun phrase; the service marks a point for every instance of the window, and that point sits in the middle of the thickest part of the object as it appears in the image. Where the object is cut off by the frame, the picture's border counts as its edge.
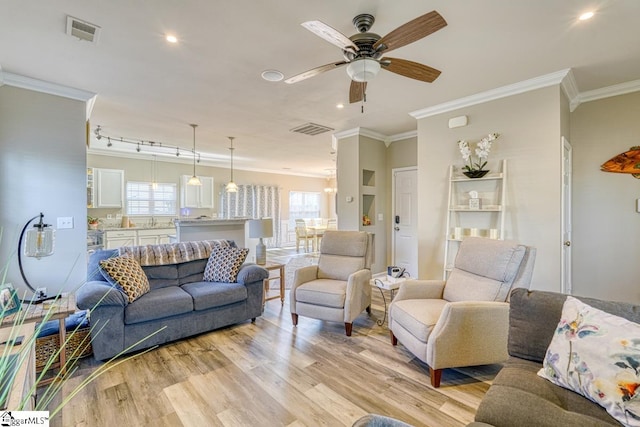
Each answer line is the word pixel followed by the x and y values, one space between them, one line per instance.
pixel 303 205
pixel 143 199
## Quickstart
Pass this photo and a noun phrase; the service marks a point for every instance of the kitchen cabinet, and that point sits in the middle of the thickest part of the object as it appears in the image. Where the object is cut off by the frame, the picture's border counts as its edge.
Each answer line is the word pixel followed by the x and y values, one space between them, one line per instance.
pixel 115 238
pixel 156 236
pixel 105 188
pixel 149 236
pixel 196 196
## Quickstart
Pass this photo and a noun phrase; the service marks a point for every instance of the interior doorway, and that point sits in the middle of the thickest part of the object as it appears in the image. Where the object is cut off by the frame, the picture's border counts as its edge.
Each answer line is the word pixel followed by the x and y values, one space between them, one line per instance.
pixel 405 219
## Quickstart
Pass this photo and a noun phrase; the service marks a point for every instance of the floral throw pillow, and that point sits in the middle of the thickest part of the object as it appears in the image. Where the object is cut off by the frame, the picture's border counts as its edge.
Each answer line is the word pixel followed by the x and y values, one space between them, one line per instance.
pixel 597 355
pixel 126 274
pixel 224 264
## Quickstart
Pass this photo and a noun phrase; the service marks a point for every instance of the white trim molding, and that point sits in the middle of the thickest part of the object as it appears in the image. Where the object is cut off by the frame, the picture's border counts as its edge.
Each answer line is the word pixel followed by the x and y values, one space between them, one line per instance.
pixel 29 83
pixel 614 90
pixel 513 89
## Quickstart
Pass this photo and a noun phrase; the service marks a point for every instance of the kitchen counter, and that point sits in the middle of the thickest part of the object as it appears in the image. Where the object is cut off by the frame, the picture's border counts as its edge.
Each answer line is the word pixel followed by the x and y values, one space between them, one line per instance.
pixel 212 229
pixel 136 228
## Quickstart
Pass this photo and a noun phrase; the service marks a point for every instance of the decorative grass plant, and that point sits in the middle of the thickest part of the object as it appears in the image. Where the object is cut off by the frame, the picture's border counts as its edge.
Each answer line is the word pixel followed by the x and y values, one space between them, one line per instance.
pixel 14 356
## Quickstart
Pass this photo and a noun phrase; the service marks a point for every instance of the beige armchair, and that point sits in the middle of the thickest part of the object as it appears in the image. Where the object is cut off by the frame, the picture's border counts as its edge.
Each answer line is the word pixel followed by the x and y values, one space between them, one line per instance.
pixel 337 289
pixel 463 321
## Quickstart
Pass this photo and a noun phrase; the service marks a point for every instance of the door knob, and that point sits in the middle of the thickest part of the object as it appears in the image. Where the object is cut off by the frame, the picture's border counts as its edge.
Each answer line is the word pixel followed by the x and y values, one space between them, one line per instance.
pixel 396 228
pixel 567 243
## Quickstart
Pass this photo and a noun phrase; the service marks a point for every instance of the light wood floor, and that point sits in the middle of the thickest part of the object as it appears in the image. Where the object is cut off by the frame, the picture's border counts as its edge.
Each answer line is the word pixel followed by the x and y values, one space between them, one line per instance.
pixel 270 374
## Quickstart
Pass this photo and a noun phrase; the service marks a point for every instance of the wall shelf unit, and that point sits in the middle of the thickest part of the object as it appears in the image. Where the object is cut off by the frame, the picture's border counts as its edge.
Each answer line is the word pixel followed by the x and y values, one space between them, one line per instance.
pixel 482 217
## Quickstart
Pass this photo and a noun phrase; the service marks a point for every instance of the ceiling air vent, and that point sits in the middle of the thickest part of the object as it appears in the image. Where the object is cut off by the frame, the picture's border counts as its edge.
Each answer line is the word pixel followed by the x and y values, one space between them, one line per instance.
pixel 311 129
pixel 82 29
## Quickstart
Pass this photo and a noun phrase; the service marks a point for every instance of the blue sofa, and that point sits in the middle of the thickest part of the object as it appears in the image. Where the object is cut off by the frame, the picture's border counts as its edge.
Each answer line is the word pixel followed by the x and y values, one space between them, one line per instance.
pixel 179 301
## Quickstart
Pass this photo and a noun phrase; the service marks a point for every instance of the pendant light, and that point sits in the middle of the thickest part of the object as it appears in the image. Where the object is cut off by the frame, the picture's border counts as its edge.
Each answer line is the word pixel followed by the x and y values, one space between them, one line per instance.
pixel 194 180
pixel 231 186
pixel 154 181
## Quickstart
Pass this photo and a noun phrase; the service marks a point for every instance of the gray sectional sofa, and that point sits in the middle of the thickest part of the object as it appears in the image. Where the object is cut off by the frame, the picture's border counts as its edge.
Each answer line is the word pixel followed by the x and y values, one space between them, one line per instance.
pixel 179 301
pixel 518 396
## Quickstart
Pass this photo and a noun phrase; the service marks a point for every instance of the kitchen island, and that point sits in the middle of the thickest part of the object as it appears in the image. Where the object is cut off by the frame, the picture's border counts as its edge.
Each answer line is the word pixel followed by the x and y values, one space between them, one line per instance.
pixel 211 229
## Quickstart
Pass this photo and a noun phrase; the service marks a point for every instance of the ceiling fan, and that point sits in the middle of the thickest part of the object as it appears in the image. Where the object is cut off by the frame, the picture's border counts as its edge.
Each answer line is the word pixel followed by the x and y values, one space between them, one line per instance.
pixel 363 51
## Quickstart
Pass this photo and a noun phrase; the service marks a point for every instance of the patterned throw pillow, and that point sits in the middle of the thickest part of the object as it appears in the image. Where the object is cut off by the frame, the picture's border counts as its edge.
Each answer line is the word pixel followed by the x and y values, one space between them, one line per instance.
pixel 597 355
pixel 224 264
pixel 125 273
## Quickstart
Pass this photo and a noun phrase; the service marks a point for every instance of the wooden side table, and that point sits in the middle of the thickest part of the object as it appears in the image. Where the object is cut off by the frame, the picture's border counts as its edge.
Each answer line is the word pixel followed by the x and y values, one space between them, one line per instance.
pixel 57 309
pixel 271 266
pixel 26 372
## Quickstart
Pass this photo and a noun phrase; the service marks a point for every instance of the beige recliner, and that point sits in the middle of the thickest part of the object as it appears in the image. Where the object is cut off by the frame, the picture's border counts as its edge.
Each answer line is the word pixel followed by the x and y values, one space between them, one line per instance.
pixel 337 289
pixel 463 321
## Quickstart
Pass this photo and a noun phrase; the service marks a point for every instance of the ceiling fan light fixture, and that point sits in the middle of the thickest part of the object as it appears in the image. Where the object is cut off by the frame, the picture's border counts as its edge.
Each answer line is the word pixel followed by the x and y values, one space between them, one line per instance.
pixel 363 70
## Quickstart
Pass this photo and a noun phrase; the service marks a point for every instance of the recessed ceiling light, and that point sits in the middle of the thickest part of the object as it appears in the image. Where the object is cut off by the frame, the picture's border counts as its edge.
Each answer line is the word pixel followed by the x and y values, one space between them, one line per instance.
pixel 272 75
pixel 585 16
pixel 340 106
pixel 171 38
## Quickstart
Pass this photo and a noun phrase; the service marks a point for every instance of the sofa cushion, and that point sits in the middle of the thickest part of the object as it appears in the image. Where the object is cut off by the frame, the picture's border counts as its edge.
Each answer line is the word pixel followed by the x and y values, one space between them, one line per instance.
pixel 224 264
pixel 209 295
pixel 93 266
pixel 325 292
pixel 597 355
pixel 161 276
pixel 126 273
pixel 418 316
pixel 158 304
pixel 518 396
pixel 192 271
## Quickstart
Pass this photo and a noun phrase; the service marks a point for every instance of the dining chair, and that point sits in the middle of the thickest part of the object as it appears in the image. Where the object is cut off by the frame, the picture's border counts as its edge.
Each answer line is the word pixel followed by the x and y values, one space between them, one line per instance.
pixel 302 234
pixel 332 224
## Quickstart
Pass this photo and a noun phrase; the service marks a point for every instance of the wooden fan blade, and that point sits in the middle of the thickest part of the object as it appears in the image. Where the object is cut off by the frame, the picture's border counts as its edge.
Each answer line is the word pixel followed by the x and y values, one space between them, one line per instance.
pixel 356 91
pixel 414 30
pixel 330 34
pixel 314 72
pixel 410 69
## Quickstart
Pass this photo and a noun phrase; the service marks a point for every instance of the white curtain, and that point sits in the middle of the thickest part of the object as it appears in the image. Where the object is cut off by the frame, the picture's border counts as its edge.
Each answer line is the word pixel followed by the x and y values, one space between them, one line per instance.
pixel 255 202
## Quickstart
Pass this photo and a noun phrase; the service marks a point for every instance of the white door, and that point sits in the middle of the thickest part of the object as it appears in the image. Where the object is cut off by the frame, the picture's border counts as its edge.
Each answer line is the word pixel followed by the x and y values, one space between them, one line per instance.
pixel 405 220
pixel 567 287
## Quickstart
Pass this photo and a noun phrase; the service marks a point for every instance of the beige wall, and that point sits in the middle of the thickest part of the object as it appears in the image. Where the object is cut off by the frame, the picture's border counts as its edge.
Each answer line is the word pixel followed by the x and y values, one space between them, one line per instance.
pixel 530 124
pixel 348 183
pixel 43 169
pixel 140 169
pixel 606 226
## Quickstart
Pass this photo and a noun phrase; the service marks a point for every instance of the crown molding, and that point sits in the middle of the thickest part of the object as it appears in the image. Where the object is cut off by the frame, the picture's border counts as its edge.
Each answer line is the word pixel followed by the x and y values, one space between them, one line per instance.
pixel 29 83
pixel 609 91
pixel 493 94
pixel 402 136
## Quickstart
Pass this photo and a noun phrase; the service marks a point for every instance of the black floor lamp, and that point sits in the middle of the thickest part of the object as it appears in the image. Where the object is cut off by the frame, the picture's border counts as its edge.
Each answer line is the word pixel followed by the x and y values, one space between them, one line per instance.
pixel 38 243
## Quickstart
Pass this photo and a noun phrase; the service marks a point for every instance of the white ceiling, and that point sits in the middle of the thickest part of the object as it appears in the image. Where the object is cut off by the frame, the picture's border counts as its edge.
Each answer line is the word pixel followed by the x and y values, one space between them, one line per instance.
pixel 151 90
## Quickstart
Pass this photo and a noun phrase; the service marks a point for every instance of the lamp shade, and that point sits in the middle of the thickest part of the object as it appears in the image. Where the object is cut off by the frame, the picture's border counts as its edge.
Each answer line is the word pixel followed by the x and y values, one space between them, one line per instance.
pixel 363 70
pixel 261 228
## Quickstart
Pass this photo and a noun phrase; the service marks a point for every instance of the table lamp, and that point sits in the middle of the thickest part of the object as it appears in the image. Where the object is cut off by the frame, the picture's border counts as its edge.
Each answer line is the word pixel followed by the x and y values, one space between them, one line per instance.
pixel 259 229
pixel 39 242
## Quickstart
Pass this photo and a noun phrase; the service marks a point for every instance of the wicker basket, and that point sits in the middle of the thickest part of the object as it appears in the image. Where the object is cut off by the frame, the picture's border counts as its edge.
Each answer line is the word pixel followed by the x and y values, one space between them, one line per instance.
pixel 47 346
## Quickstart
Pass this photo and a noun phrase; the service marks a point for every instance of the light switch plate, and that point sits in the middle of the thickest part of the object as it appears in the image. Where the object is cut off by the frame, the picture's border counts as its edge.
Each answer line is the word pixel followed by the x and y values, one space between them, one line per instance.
pixel 65 222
